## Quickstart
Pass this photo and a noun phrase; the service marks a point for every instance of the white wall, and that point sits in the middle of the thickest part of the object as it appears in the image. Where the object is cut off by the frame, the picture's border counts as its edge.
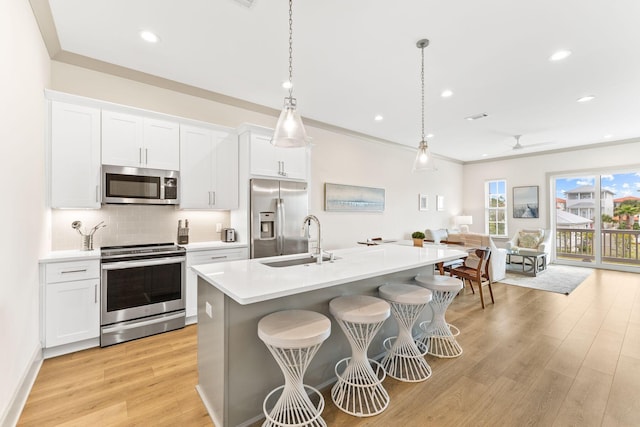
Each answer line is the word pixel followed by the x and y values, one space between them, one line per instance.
pixel 535 170
pixel 23 76
pixel 345 160
pixel 336 158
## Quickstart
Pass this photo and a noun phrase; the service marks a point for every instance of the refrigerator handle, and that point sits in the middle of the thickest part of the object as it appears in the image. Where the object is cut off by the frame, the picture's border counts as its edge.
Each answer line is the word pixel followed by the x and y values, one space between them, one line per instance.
pixel 280 226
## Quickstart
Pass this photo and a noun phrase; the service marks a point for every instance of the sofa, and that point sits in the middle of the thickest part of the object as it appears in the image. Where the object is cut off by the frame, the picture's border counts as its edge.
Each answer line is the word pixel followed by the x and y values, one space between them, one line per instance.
pixel 498 261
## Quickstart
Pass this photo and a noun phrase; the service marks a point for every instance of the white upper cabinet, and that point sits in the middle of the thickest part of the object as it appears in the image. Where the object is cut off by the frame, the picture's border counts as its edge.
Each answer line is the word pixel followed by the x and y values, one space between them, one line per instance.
pixel 161 144
pixel 209 168
pixel 135 141
pixel 75 156
pixel 268 160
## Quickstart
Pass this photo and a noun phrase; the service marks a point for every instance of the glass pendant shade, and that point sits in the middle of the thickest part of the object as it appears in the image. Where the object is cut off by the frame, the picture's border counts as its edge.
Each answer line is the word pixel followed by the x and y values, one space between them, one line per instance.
pixel 290 131
pixel 424 159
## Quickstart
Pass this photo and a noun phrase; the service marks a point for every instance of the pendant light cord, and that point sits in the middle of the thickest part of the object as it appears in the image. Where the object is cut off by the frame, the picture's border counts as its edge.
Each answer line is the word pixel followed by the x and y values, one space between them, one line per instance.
pixel 422 82
pixel 290 48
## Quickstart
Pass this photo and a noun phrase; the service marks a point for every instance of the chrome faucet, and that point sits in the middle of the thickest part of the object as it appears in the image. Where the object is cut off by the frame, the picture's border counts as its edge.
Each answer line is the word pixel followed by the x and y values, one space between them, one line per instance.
pixel 306 224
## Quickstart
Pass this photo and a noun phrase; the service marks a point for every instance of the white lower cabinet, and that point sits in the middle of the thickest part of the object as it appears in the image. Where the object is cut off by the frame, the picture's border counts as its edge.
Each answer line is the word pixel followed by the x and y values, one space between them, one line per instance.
pixel 207 256
pixel 71 302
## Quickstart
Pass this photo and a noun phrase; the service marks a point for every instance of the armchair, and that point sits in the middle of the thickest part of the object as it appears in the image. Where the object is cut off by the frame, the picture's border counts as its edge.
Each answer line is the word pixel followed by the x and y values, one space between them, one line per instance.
pixel 531 239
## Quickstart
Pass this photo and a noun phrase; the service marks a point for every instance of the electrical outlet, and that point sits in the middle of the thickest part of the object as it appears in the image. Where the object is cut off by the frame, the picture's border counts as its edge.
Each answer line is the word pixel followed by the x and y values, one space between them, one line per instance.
pixel 218 227
pixel 207 307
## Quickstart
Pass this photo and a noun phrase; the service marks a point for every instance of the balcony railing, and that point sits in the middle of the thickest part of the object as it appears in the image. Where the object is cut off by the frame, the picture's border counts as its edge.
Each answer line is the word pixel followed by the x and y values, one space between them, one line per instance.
pixel 618 246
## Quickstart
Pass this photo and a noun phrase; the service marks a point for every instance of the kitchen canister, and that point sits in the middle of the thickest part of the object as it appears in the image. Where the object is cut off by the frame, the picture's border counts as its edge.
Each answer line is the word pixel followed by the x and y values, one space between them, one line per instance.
pixel 87 242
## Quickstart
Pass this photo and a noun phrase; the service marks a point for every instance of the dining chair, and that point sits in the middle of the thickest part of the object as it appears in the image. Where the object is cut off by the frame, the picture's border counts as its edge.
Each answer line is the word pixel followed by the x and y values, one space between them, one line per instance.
pixel 476 269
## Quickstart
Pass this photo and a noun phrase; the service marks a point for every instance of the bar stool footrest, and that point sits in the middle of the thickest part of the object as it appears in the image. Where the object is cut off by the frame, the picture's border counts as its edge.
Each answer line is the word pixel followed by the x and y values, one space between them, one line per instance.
pixel 359 391
pixel 305 411
pixel 441 341
pixel 406 363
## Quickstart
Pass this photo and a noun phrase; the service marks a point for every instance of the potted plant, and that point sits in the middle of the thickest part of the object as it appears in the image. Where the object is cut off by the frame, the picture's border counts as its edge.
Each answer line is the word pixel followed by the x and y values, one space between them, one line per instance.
pixel 418 238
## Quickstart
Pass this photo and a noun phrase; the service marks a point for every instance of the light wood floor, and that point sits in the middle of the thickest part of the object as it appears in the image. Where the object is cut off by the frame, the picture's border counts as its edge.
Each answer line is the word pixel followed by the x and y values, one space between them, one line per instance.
pixel 534 358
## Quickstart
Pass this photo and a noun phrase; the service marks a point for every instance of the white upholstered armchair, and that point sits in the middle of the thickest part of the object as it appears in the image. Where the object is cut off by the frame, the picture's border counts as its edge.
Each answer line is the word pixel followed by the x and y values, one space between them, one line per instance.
pixel 531 239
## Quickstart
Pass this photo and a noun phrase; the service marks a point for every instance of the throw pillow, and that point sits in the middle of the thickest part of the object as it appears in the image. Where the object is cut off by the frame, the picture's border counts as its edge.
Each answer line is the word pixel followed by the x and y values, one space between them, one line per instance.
pixel 529 240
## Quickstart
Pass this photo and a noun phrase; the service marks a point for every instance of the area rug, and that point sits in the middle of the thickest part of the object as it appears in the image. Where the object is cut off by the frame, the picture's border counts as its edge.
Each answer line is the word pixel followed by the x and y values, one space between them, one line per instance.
pixel 562 279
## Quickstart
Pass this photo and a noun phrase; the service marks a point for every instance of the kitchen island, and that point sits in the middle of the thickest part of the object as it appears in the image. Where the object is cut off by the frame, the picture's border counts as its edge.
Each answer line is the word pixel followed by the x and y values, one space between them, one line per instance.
pixel 235 369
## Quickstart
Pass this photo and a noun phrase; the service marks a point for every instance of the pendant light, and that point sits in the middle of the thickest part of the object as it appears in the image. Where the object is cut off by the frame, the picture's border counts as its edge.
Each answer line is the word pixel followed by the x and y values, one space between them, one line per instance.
pixel 424 159
pixel 289 129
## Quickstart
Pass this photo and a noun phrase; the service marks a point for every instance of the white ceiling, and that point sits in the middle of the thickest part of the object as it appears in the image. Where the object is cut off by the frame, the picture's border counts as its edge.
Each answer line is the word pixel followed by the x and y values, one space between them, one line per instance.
pixel 354 59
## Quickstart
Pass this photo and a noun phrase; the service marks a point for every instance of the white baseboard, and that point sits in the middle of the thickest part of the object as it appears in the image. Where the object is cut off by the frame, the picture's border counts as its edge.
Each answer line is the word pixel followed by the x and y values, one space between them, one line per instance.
pixel 48 353
pixel 212 414
pixel 19 399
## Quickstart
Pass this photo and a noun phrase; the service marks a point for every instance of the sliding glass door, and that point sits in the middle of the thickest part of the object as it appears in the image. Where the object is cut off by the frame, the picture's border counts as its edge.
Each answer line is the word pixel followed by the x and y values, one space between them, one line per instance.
pixel 596 219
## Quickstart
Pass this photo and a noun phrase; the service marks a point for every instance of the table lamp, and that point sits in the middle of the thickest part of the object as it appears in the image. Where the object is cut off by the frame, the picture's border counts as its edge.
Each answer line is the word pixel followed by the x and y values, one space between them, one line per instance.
pixel 463 222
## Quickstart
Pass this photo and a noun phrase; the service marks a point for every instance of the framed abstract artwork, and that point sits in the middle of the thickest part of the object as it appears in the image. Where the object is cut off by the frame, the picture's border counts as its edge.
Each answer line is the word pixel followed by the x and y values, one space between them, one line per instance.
pixel 351 198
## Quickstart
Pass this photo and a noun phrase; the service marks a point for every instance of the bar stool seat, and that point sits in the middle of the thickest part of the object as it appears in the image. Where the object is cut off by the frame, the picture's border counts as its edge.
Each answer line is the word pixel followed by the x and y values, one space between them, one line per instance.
pixel 405 360
pixel 438 335
pixel 293 337
pixel 359 389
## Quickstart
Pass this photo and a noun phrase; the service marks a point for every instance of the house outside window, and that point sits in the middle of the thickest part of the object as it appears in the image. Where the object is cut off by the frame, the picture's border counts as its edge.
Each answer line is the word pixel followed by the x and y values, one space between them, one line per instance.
pixel 496 208
pixel 581 201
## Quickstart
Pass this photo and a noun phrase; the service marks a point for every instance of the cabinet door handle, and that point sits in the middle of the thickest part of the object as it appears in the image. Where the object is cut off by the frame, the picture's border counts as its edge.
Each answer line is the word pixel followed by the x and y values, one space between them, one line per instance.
pixel 209 192
pixel 140 155
pixel 73 271
pixel 146 156
pixel 283 172
pixel 95 294
pixel 97 193
pixel 219 257
pixel 213 198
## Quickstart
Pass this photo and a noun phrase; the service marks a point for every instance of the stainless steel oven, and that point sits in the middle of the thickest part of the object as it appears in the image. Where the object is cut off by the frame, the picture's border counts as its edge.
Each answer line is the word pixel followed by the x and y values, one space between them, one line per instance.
pixel 142 290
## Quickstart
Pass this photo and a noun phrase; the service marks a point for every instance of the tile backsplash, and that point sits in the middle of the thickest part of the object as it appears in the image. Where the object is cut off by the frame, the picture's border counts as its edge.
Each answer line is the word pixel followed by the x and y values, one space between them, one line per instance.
pixel 133 224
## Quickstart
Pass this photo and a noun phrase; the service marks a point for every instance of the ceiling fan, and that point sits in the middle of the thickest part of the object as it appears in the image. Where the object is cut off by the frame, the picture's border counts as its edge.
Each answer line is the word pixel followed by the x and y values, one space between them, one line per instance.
pixel 518 146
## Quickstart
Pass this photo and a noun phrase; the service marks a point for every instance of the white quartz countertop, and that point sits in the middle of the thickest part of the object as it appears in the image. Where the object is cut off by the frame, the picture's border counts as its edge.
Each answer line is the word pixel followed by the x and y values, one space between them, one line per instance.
pixel 70 255
pixel 250 281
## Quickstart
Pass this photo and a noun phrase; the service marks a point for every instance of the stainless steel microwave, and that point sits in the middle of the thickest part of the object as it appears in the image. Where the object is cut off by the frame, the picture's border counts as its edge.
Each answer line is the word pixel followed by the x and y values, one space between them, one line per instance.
pixel 126 185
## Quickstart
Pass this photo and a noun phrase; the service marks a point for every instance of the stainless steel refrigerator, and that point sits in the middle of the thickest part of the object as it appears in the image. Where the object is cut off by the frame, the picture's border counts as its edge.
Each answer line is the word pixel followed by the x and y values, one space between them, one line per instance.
pixel 277 211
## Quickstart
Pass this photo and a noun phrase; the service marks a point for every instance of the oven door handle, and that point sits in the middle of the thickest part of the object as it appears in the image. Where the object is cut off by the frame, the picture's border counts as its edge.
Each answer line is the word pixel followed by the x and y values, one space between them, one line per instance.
pixel 137 324
pixel 146 263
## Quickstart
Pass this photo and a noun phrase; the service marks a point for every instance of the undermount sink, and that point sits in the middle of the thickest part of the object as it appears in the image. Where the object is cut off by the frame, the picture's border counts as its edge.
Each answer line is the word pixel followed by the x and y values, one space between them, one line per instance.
pixel 297 261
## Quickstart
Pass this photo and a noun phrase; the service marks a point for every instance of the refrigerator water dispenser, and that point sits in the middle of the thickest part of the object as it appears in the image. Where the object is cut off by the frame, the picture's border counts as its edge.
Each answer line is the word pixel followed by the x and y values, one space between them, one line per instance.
pixel 267 229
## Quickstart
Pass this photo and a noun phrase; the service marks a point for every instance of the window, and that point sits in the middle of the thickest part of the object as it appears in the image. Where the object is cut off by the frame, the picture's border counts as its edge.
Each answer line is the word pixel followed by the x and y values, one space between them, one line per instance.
pixel 496 208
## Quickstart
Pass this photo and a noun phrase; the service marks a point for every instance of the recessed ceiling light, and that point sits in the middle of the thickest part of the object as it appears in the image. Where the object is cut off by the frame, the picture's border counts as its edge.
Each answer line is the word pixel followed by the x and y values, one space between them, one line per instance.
pixel 378 118
pixel 560 55
pixel 585 98
pixel 484 155
pixel 608 136
pixel 446 93
pixel 148 36
pixel 430 135
pixel 287 84
pixel 476 116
